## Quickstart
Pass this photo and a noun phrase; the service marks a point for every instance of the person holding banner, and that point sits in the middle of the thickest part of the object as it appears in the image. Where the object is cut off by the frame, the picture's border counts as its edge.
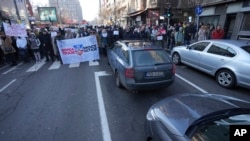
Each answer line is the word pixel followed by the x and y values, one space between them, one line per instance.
pixel 21 44
pixel 58 37
pixel 9 50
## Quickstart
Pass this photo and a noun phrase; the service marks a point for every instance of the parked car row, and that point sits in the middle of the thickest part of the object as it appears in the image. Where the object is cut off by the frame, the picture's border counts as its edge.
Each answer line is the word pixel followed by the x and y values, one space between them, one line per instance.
pixel 140 65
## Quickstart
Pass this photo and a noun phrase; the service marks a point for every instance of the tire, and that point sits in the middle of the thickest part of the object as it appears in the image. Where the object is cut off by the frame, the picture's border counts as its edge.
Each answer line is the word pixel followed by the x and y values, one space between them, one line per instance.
pixel 118 80
pixel 176 58
pixel 226 78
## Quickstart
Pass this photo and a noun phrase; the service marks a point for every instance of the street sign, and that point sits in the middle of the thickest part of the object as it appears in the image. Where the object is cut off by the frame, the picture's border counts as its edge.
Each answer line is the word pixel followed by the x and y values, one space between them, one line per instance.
pixel 198 10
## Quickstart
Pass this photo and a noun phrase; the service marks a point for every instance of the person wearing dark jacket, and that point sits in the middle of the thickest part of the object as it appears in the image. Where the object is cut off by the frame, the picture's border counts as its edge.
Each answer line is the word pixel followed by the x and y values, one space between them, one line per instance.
pixel 187 34
pixel 46 45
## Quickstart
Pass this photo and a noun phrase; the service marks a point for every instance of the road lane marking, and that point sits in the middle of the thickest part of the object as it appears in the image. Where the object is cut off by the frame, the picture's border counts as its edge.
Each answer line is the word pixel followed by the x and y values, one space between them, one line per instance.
pixel 74 65
pixel 36 66
pixel 55 65
pixel 13 68
pixel 6 86
pixel 192 84
pixel 93 63
pixel 103 116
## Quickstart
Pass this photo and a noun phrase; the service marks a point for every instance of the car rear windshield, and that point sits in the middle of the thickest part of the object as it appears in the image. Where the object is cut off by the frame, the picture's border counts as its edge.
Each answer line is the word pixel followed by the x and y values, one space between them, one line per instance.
pixel 246 48
pixel 150 57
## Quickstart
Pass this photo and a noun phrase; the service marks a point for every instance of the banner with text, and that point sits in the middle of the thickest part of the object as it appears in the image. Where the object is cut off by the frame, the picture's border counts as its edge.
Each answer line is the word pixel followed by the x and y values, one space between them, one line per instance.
pixel 78 49
pixel 15 30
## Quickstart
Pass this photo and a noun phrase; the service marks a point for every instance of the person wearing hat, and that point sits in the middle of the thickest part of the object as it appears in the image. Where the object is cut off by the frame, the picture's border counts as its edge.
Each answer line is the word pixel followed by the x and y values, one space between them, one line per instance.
pixel 35 46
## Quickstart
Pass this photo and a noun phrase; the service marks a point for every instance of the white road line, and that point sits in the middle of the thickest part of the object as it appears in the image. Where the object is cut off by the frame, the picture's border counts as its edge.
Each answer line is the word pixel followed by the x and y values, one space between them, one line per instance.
pixel 93 63
pixel 55 65
pixel 74 65
pixel 192 84
pixel 36 66
pixel 103 117
pixel 7 85
pixel 13 68
pixel 5 66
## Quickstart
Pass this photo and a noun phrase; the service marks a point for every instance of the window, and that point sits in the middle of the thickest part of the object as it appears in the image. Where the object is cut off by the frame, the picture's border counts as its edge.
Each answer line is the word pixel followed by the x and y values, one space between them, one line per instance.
pixel 125 55
pixel 246 48
pixel 150 57
pixel 219 130
pixel 246 23
pixel 200 46
pixel 223 50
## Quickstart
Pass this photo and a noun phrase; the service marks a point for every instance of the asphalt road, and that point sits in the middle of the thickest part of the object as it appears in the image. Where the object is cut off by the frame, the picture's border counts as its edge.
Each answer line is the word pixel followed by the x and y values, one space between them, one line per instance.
pixel 66 103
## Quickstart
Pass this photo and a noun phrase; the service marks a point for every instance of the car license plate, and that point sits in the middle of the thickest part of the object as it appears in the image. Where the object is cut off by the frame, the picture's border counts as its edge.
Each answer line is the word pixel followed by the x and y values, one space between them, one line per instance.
pixel 154 74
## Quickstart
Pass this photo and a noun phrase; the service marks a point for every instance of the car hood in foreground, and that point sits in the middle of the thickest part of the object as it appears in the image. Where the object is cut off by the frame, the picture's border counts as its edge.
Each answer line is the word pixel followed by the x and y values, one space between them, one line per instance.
pixel 178 112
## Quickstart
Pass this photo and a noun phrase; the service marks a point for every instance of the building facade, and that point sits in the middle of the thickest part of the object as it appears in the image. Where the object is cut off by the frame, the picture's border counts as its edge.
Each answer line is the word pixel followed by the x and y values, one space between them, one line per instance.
pixel 14 14
pixel 232 15
pixel 69 12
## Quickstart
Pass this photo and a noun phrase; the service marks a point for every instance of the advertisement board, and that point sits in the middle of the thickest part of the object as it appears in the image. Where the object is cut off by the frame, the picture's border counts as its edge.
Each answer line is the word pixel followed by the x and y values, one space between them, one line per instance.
pixel 47 14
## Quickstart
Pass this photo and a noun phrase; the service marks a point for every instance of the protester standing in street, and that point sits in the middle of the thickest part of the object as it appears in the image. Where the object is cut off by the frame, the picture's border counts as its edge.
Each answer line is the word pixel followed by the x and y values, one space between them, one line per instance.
pixel 46 45
pixel 35 46
pixel 9 50
pixel 202 34
pixel 104 41
pixel 179 37
pixel 2 62
pixel 187 34
pixel 218 33
pixel 58 37
pixel 21 43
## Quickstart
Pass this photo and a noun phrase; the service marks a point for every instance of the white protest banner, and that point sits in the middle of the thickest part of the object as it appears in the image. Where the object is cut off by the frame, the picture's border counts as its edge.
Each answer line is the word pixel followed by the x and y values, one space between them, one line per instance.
pixel 78 49
pixel 15 30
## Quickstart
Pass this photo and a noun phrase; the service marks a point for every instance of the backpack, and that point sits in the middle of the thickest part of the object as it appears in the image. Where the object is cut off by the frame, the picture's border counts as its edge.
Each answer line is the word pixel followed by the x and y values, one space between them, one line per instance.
pixel 34 43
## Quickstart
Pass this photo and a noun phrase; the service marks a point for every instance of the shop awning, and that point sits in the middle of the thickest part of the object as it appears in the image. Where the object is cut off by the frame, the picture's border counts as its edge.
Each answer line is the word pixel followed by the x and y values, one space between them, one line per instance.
pixel 136 13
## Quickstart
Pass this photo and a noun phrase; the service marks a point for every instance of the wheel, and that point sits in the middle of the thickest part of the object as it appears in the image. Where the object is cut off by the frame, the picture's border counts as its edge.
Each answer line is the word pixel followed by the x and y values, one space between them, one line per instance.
pixel 226 78
pixel 176 58
pixel 117 80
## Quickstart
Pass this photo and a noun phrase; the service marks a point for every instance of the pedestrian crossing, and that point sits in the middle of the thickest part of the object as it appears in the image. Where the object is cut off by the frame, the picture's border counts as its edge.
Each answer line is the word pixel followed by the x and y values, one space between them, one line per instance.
pixel 54 66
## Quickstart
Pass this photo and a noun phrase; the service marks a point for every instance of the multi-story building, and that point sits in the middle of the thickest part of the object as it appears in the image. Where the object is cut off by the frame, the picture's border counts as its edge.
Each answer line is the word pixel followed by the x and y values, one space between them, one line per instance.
pixel 69 12
pixel 9 12
pixel 232 15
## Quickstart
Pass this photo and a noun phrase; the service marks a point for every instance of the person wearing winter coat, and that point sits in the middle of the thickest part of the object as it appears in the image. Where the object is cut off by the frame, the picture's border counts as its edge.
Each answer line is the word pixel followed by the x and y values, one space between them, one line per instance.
pixel 202 34
pixel 21 43
pixel 46 45
pixel 179 37
pixel 35 46
pixel 9 50
pixel 218 33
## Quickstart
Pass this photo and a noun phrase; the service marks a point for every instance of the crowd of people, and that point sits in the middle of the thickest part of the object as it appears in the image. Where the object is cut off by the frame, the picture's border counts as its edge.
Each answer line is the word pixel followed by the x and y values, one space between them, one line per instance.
pixel 40 43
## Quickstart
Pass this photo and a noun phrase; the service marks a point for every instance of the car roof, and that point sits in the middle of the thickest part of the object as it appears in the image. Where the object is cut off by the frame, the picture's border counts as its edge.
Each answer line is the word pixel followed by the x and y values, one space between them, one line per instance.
pixel 138 44
pixel 238 43
pixel 180 111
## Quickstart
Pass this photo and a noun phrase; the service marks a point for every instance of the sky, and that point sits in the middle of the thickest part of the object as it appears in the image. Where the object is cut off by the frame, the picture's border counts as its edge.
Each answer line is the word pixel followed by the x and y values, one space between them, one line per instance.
pixel 89 8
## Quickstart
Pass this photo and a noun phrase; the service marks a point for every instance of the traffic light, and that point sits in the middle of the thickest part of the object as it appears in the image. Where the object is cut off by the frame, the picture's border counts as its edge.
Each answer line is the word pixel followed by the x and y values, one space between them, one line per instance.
pixel 169 13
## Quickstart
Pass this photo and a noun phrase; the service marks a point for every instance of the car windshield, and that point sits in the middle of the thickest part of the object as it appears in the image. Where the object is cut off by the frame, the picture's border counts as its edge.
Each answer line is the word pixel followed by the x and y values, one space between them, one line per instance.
pixel 150 57
pixel 246 48
pixel 219 129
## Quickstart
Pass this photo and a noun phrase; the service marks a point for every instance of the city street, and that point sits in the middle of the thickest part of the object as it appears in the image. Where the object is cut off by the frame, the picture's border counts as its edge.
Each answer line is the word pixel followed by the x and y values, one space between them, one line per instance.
pixel 80 102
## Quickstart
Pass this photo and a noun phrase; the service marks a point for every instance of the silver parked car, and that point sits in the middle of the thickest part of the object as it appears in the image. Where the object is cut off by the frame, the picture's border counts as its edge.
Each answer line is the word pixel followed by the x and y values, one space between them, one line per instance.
pixel 227 60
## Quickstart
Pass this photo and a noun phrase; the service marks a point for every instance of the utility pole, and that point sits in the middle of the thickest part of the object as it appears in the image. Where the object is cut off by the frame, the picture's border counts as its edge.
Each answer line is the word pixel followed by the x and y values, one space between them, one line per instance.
pixel 17 11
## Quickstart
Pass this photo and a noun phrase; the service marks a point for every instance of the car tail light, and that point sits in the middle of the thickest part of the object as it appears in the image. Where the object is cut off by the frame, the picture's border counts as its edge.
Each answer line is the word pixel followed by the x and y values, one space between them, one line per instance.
pixel 130 73
pixel 174 69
